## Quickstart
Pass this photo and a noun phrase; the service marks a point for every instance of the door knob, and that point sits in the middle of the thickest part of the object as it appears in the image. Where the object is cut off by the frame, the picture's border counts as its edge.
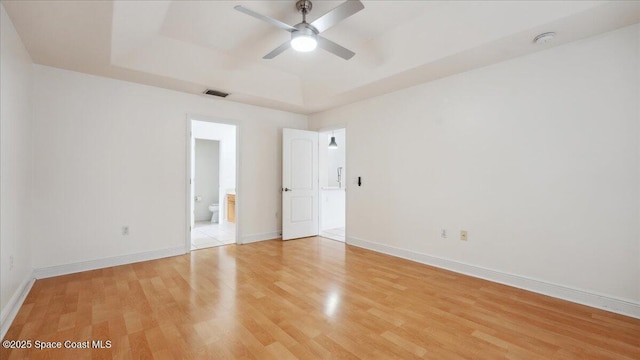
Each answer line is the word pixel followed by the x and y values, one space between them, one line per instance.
pixel 287 189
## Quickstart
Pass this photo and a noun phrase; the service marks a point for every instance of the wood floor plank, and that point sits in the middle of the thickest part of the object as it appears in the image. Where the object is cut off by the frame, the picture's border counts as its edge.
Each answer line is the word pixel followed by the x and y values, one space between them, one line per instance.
pixel 307 299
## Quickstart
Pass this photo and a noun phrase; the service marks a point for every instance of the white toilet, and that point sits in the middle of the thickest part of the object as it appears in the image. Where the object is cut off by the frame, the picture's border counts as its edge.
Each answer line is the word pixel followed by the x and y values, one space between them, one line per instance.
pixel 214 208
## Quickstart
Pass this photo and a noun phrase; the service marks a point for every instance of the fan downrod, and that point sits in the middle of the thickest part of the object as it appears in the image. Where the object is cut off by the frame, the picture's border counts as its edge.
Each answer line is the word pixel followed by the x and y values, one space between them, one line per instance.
pixel 304 6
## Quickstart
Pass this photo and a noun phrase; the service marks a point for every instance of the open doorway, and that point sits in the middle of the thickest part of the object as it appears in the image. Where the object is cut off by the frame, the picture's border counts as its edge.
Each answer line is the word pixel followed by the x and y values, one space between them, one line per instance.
pixel 332 173
pixel 212 189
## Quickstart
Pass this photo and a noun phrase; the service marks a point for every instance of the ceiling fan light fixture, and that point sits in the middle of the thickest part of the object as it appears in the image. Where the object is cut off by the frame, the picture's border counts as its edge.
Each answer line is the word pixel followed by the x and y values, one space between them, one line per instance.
pixel 303 41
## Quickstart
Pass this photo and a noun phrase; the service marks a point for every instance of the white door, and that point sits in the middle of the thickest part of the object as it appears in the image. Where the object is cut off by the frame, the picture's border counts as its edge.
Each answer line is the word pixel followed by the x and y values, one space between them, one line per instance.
pixel 299 183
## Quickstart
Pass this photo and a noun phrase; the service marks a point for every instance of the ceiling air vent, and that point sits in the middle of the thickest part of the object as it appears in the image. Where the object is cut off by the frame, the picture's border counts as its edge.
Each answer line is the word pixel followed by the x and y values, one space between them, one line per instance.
pixel 215 93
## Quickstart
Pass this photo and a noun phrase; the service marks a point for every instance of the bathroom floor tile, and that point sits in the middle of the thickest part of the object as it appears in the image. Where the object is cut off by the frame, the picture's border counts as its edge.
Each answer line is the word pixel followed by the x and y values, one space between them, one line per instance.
pixel 207 231
pixel 205 243
pixel 337 234
pixel 226 239
pixel 206 234
pixel 196 236
pixel 336 231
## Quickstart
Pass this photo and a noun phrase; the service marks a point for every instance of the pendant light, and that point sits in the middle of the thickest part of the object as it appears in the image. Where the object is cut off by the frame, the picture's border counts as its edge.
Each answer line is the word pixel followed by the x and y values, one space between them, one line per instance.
pixel 333 144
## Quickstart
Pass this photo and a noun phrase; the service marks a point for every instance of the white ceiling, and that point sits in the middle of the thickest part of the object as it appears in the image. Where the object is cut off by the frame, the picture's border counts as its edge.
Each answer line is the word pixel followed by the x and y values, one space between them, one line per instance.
pixel 193 45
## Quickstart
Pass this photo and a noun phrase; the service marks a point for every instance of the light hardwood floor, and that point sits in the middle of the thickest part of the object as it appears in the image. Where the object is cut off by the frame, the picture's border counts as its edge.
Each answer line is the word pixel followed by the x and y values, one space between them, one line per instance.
pixel 308 299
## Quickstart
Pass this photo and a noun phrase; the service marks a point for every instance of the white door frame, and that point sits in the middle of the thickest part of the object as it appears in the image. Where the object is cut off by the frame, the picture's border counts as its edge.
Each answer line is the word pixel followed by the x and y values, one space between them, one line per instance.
pixel 189 198
pixel 347 184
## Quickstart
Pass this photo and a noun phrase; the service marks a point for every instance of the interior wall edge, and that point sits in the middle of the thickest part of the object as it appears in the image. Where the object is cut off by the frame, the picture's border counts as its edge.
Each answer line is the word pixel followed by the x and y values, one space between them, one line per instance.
pixel 599 301
pixel 16 123
pixel 57 270
pixel 10 311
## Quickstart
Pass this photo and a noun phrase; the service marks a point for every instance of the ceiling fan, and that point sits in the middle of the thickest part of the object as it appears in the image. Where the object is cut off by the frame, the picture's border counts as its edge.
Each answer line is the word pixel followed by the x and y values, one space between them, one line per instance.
pixel 306 36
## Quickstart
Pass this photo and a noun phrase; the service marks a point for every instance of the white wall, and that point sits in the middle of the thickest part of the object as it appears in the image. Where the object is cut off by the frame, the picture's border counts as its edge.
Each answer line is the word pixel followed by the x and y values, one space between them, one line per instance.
pixel 109 153
pixel 537 157
pixel 207 177
pixel 16 171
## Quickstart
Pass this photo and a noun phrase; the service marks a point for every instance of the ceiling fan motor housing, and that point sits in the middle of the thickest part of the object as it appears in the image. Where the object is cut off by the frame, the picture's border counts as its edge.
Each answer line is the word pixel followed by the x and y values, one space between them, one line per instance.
pixel 304 29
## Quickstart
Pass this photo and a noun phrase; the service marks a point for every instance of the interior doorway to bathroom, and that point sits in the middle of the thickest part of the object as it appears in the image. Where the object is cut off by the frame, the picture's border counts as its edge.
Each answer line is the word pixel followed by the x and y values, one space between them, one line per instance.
pixel 212 184
pixel 333 175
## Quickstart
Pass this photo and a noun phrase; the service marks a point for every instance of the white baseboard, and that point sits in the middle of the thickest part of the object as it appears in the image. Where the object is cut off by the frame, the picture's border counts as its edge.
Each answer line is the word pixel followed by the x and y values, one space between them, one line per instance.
pixel 58 270
pixel 11 309
pixel 260 237
pixel 600 301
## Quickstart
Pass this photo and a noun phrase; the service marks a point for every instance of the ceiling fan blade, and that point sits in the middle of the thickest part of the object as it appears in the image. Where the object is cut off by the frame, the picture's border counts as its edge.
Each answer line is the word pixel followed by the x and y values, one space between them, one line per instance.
pixel 337 14
pixel 334 48
pixel 277 51
pixel 271 21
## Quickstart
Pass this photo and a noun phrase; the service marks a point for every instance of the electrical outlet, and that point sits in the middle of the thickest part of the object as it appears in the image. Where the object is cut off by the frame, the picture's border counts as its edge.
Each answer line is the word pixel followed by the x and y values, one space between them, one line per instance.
pixel 463 235
pixel 125 230
pixel 11 263
pixel 443 233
